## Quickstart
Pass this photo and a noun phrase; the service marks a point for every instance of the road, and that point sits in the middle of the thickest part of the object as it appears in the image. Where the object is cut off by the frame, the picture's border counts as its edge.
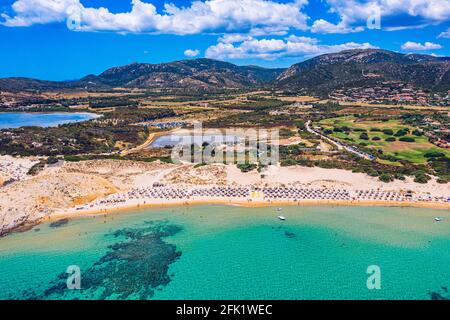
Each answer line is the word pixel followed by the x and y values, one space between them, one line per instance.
pixel 339 145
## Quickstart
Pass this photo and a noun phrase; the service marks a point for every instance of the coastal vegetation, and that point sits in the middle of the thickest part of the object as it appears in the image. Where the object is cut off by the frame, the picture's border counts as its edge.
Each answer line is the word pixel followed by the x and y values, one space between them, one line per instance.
pixel 403 142
pixel 97 136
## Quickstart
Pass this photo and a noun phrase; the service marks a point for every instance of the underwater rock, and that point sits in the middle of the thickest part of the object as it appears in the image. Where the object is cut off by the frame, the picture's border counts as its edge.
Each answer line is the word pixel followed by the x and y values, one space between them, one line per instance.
pixel 59 223
pixel 290 235
pixel 132 268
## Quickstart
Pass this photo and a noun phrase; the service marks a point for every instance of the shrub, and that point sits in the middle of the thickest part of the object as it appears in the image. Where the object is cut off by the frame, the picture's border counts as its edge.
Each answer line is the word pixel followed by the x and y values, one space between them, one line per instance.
pixel 386 177
pixel 287 162
pixel 372 172
pixel 376 139
pixel 417 133
pixel 375 130
pixel 407 139
pixel 364 136
pixel 422 178
pixel 52 160
pixel 434 154
pixel 399 176
pixel 402 132
pixel 247 167
pixel 391 139
pixel 388 132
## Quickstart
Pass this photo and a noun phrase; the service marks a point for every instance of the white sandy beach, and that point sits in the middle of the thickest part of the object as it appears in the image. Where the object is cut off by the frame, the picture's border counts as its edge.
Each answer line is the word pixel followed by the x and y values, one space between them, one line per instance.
pixel 86 187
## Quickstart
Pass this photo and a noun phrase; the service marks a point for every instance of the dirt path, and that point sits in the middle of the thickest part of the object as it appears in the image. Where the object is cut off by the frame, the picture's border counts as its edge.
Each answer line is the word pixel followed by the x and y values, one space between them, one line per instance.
pixel 152 137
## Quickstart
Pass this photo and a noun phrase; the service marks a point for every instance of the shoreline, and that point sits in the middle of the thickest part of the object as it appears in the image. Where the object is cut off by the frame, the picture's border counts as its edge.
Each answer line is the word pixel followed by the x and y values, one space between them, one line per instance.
pixel 245 204
pixel 248 204
pixel 147 143
pixel 121 209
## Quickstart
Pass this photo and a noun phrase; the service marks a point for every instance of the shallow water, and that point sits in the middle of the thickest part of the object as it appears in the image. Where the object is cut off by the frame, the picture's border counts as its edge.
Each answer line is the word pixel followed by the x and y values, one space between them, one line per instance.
pixel 221 252
pixel 9 120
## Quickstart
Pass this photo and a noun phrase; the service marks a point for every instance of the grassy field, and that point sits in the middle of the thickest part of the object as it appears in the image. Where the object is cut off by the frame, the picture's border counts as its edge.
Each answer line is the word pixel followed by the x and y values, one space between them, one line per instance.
pixel 410 151
pixel 395 106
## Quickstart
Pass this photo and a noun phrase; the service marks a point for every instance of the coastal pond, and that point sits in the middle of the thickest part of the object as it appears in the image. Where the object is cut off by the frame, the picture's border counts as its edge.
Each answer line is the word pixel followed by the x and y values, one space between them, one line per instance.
pixel 210 136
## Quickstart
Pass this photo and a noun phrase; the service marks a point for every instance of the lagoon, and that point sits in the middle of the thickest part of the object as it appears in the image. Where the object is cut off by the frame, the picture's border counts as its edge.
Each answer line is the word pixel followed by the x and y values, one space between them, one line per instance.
pixel 10 120
pixel 177 139
pixel 224 252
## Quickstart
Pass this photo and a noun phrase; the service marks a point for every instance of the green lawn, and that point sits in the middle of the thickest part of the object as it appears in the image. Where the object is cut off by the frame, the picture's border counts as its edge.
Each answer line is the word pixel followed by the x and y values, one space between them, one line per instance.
pixel 409 151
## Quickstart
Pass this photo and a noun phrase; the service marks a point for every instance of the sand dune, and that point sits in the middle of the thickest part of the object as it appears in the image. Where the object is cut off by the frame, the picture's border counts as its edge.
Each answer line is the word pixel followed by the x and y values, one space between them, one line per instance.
pixel 30 200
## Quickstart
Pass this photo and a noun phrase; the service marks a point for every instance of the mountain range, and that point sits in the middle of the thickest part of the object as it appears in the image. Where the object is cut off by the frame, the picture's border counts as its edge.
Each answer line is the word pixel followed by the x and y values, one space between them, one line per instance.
pixel 365 68
pixel 319 75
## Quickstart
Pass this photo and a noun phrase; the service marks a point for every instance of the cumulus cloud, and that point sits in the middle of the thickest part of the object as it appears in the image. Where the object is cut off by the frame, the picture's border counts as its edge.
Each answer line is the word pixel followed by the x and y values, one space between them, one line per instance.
pixel 253 17
pixel 233 38
pixel 354 14
pixel 415 46
pixel 323 26
pixel 270 49
pixel 191 53
pixel 201 16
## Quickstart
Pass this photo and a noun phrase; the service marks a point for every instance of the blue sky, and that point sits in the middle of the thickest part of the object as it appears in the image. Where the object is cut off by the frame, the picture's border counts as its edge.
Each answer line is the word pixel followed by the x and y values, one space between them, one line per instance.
pixel 37 41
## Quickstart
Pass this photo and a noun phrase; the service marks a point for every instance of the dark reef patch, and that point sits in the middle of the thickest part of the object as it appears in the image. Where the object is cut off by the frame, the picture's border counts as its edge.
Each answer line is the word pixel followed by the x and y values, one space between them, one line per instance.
pixel 442 295
pixel 290 235
pixel 132 268
pixel 59 223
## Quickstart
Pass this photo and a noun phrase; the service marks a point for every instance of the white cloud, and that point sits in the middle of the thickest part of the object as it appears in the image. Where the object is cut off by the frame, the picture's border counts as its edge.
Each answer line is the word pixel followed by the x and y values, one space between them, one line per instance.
pixel 415 46
pixel 201 16
pixel 323 26
pixel 233 37
pixel 354 14
pixel 252 17
pixel 294 38
pixel 191 53
pixel 270 49
pixel 445 34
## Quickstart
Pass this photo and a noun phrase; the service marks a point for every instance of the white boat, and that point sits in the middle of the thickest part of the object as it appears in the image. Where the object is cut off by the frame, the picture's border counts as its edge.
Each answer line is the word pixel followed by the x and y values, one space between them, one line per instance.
pixel 281 218
pixel 437 219
pixel 279 209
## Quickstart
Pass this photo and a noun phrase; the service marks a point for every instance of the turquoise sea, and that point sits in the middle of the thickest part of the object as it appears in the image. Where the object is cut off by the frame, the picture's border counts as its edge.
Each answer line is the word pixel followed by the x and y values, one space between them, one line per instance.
pixel 223 252
pixel 9 120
